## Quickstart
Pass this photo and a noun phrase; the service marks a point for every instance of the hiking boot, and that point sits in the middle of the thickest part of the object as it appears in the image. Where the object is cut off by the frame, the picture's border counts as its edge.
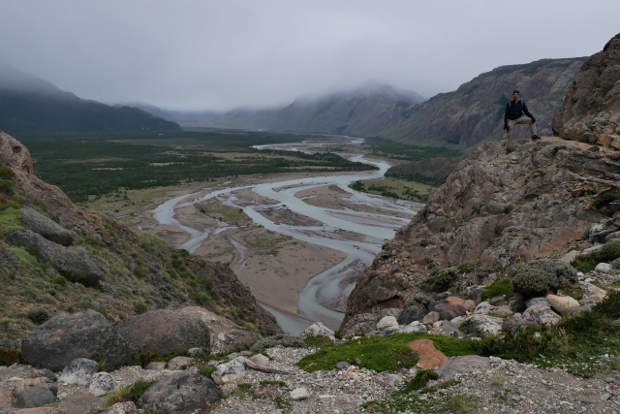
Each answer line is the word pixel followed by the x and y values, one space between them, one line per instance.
pixel 535 137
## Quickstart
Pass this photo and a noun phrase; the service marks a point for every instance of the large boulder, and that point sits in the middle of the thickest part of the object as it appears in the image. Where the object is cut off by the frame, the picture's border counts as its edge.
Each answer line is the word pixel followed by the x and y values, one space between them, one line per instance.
pixel 449 309
pixel 46 227
pixel 73 262
pixel 464 365
pixel 591 109
pixel 65 337
pixel 482 325
pixel 226 336
pixel 164 331
pixel 180 393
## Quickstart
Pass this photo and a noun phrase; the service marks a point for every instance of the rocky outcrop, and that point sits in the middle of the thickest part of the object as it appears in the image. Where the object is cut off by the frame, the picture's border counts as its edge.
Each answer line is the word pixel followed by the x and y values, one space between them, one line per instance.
pixel 46 227
pixel 495 210
pixel 474 112
pixel 72 262
pixel 163 332
pixel 591 109
pixel 47 243
pixel 65 337
pixel 180 393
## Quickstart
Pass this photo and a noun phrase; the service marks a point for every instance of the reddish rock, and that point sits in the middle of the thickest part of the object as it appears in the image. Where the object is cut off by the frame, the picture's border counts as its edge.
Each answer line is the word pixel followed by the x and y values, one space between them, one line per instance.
pixel 430 357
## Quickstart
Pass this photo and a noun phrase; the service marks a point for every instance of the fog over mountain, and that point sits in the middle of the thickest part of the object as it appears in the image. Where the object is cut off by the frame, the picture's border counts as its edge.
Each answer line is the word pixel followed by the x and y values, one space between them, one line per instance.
pixel 219 55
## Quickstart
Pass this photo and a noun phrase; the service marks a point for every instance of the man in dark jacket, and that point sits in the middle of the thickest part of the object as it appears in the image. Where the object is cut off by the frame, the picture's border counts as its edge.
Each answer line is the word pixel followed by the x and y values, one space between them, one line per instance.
pixel 517 113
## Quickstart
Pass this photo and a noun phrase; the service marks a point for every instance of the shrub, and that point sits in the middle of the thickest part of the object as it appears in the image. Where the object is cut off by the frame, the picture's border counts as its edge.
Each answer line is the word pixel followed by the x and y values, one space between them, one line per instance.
pixel 539 277
pixel 38 315
pixel 9 356
pixel 439 280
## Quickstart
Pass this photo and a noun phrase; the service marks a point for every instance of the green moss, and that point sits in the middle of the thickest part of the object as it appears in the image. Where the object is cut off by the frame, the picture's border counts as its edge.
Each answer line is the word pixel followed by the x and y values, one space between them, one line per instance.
pixel 23 255
pixel 500 287
pixel 282 402
pixel 10 219
pixel 317 341
pixel 207 370
pixel 6 172
pixel 419 381
pixel 466 267
pixel 384 353
pixel 242 391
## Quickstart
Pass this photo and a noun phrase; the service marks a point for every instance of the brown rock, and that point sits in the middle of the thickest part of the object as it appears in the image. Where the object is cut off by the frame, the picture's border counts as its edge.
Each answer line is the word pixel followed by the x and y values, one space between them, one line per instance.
pixel 430 357
pixel 430 318
pixel 454 300
pixel 591 109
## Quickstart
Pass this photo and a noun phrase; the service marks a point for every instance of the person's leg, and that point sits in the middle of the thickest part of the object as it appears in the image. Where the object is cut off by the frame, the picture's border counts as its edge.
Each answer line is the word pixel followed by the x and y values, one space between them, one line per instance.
pixel 511 128
pixel 527 120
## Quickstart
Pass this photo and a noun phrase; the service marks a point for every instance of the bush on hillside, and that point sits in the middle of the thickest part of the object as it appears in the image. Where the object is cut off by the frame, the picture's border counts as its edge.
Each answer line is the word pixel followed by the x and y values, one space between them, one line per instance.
pixel 542 276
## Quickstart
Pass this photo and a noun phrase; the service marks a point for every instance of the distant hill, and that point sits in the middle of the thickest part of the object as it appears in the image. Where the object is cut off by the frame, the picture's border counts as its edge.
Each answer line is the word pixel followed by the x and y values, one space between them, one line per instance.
pixel 362 111
pixel 474 112
pixel 29 104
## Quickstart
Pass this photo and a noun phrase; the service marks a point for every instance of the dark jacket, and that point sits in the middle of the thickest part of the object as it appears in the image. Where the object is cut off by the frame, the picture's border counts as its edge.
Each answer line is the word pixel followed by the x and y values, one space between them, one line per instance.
pixel 514 110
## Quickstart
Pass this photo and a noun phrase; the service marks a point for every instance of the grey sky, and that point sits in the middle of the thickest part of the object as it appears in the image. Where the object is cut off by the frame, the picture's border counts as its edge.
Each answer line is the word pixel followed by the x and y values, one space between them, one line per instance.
pixel 222 54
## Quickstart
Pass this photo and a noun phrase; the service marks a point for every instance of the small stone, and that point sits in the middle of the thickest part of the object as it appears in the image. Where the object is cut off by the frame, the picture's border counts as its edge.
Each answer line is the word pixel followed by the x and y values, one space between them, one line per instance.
pixel 342 365
pixel 541 314
pixel 156 365
pixel 387 322
pixel 454 300
pixel 300 393
pixel 101 383
pixel 318 328
pixel 430 318
pixel 469 305
pixel 413 327
pixel 229 371
pixel 562 304
pixel 259 359
pixel 537 301
pixel 78 372
pixel 195 352
pixel 34 396
pixel 180 362
pixel 603 268
pixel 125 407
pixel 483 307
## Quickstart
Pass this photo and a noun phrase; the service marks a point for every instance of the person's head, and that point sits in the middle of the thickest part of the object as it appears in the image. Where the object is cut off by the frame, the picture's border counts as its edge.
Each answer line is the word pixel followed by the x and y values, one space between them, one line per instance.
pixel 515 95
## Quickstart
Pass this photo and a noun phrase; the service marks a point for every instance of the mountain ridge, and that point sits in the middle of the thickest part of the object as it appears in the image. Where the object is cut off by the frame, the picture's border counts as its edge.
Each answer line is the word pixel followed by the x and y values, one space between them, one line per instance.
pixel 29 104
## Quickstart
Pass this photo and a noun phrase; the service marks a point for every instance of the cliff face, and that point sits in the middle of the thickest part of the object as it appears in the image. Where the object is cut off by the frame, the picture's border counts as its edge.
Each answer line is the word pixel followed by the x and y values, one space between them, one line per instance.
pixel 494 210
pixel 474 112
pixel 56 256
pixel 591 110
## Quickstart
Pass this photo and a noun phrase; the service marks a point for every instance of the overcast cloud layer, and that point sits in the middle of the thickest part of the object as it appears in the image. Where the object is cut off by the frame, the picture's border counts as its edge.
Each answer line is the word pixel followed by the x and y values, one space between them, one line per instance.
pixel 222 54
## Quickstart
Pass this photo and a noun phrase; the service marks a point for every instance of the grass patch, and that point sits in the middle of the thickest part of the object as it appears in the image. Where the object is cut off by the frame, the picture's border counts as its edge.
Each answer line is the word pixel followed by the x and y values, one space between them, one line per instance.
pixel 10 219
pixel 317 341
pixel 384 353
pixel 127 393
pixel 282 402
pixel 419 381
pixel 500 287
pixel 23 255
pixel 395 188
pixel 207 370
pixel 242 391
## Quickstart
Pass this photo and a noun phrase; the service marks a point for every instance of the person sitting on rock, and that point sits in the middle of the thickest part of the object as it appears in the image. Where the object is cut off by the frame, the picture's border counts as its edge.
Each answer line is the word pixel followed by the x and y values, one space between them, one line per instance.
pixel 517 113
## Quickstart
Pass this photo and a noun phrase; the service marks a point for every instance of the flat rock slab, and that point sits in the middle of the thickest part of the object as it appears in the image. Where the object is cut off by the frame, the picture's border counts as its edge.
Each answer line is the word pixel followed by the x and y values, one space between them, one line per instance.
pixel 464 365
pixel 430 357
